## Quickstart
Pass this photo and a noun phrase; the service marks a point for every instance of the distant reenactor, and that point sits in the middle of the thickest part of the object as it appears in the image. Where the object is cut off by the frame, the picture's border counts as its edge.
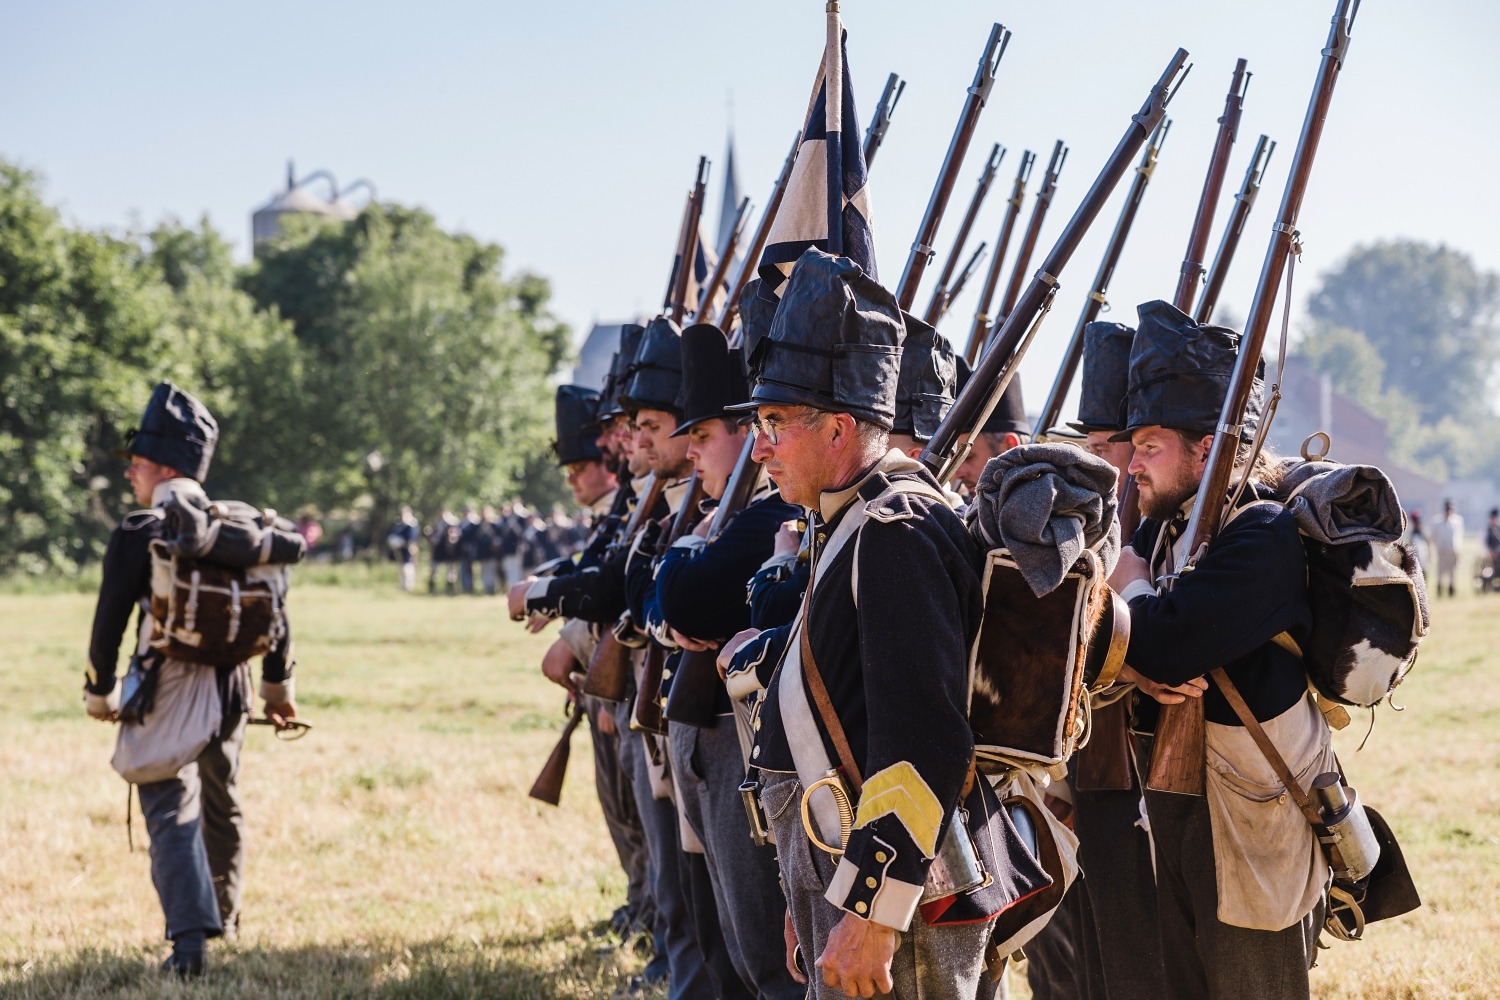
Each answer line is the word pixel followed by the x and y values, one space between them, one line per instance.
pixel 1447 534
pixel 443 538
pixel 1005 429
pixel 402 539
pixel 467 549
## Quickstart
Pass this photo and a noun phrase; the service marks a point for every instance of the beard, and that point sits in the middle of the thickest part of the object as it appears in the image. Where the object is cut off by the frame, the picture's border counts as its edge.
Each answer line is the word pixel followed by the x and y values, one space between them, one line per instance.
pixel 1162 499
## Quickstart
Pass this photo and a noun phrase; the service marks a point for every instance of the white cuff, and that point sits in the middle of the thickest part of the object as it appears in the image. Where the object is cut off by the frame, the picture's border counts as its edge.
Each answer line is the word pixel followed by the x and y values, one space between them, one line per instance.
pixel 1137 588
pixel 278 694
pixel 894 904
pixel 539 588
pixel 779 559
pixel 101 704
pixel 743 683
pixel 693 542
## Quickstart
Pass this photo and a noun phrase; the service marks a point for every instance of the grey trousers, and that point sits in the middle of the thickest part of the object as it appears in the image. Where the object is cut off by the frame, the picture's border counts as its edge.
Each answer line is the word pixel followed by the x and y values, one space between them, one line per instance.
pixel 197 843
pixel 1203 958
pixel 617 800
pixel 1115 856
pixel 674 924
pixel 707 770
pixel 931 963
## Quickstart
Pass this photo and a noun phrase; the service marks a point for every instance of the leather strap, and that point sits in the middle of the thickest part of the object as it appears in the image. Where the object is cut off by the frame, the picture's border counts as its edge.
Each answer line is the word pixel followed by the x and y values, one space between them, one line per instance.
pixel 825 704
pixel 1278 764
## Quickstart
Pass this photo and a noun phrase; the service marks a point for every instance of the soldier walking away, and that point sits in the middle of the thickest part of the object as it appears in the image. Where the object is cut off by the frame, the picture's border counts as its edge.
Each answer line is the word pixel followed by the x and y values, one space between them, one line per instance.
pixel 1240 875
pixel 1492 548
pixel 895 581
pixel 192 811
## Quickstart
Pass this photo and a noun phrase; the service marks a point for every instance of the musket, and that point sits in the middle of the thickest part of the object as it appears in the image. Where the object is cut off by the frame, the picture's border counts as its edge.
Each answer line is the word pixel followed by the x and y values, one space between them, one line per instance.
pixel 548 785
pixel 1178 758
pixel 687 245
pixel 1244 201
pixel 1213 185
pixel 1033 229
pixel 963 279
pixel 1097 297
pixel 608 676
pixel 968 119
pixel 941 295
pixel 647 716
pixel 981 325
pixel 881 122
pixel 748 263
pixel 997 367
pixel 721 266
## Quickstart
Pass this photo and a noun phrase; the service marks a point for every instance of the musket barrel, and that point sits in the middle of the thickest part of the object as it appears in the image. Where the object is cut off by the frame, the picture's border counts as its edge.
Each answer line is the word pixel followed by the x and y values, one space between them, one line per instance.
pixel 1095 301
pixel 980 327
pixel 941 293
pixel 1244 201
pixel 1180 731
pixel 881 122
pixel 979 92
pixel 686 258
pixel 1033 228
pixel 1213 185
pixel 998 365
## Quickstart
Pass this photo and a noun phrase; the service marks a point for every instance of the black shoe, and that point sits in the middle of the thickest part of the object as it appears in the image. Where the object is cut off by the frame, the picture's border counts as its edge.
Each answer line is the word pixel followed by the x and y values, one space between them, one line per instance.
pixel 184 964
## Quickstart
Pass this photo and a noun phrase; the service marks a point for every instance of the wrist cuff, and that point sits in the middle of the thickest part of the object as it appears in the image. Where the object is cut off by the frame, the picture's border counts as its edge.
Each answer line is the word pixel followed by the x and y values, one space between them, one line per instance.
pixel 279 693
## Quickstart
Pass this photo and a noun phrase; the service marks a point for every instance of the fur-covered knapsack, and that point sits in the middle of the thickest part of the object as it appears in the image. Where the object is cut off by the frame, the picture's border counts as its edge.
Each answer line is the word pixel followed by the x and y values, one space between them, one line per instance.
pixel 1368 595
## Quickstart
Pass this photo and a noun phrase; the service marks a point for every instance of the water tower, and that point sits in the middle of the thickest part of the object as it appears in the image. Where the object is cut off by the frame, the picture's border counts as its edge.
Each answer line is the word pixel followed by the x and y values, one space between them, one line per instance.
pixel 265 223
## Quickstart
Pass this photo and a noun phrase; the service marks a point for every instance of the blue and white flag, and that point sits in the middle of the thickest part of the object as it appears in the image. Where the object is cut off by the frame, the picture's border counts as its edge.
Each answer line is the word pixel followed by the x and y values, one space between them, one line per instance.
pixel 811 201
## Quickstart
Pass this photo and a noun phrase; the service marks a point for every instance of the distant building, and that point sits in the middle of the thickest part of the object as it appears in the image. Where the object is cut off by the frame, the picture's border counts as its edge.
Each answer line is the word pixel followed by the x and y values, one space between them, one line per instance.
pixel 297 199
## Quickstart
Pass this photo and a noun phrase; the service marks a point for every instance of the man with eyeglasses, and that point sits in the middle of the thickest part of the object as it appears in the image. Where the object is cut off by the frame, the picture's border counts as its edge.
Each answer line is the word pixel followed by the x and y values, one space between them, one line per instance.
pixel 869 686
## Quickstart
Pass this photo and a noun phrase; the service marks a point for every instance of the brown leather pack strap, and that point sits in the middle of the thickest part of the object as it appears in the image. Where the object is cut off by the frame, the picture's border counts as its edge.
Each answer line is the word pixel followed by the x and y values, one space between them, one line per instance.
pixel 1278 764
pixel 825 704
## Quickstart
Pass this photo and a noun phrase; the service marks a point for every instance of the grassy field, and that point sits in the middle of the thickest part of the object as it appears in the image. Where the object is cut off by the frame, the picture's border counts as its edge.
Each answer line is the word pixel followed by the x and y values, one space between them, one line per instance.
pixel 394 853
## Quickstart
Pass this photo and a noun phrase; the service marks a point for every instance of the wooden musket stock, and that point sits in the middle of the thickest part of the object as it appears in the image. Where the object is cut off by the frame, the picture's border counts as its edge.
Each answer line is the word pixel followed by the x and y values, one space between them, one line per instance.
pixel 1092 305
pixel 687 247
pixel 1177 761
pixel 548 784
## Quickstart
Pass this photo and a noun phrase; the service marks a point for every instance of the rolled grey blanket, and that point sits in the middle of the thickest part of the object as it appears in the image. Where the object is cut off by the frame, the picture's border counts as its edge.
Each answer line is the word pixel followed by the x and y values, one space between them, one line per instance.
pixel 1046 503
pixel 1338 504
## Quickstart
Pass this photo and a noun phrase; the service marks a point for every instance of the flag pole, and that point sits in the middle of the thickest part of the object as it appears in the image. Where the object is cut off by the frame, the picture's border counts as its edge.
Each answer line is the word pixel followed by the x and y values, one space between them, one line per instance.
pixel 833 117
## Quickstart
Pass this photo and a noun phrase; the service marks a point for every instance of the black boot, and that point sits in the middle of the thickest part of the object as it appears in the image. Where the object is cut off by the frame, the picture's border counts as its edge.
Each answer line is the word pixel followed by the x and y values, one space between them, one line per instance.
pixel 186 960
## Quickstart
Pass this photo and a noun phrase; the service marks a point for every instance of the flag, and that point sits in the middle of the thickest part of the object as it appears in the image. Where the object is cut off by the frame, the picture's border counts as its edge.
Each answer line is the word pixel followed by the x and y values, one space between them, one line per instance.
pixel 811 201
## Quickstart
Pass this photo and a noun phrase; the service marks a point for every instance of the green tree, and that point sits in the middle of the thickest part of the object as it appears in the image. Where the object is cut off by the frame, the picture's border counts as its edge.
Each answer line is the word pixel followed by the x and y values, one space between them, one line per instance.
pixel 1430 315
pixel 431 366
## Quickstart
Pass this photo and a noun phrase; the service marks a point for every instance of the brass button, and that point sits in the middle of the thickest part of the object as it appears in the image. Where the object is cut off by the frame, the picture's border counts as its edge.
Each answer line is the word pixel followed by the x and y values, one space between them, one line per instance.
pixel 1281 798
pixel 871 882
pixel 880 857
pixel 860 907
pixel 757 724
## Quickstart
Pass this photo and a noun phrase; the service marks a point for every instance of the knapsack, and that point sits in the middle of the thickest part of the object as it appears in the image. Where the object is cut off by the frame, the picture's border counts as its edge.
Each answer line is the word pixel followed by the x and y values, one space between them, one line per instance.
pixel 219 579
pixel 1366 589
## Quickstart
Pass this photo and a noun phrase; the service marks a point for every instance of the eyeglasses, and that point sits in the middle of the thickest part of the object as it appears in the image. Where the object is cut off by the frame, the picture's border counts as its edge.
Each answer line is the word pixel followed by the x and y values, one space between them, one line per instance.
pixel 771 428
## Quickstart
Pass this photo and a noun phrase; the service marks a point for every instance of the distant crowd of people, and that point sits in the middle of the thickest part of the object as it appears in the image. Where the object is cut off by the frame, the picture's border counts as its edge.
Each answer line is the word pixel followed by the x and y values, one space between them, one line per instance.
pixel 505 545
pixel 1437 545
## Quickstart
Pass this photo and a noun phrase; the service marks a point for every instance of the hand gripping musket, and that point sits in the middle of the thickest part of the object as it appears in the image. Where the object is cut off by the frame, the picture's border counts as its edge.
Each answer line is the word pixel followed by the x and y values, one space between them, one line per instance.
pixel 942 294
pixel 1213 185
pixel 548 784
pixel 608 675
pixel 943 453
pixel 881 122
pixel 647 716
pixel 1097 297
pixel 979 93
pixel 981 325
pixel 1178 758
pixel 1243 203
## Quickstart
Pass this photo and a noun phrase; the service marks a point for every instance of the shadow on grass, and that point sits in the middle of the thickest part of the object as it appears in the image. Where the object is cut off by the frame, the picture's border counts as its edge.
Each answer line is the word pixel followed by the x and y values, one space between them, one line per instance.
pixel 560 964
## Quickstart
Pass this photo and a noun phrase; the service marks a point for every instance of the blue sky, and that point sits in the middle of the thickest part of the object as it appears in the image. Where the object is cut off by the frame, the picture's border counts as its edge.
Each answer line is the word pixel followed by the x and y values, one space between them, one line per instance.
pixel 569 132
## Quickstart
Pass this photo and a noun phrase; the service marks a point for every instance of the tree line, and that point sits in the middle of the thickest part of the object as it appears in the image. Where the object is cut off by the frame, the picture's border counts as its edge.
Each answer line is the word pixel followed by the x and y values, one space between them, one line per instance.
pixel 351 366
